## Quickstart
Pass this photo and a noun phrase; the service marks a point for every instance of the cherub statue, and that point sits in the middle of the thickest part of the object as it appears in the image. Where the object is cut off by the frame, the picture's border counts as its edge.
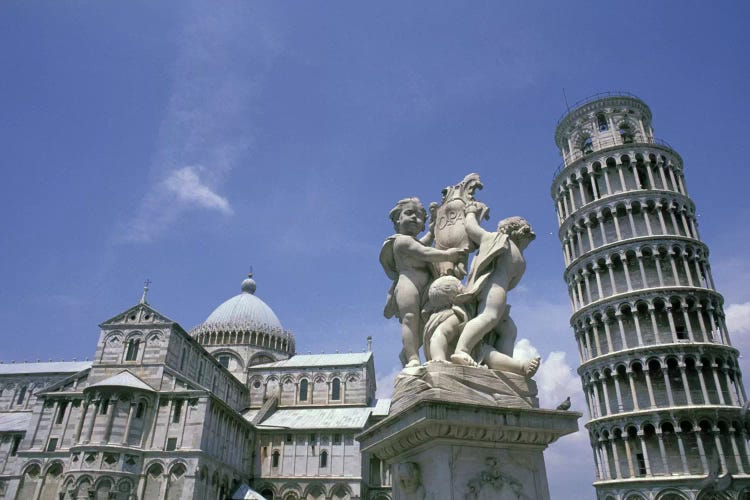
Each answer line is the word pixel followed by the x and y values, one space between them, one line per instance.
pixel 443 319
pixel 496 269
pixel 408 262
pixel 446 320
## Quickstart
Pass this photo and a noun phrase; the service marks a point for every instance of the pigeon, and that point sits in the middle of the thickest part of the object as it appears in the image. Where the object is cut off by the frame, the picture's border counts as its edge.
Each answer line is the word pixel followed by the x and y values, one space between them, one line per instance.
pixel 713 482
pixel 565 405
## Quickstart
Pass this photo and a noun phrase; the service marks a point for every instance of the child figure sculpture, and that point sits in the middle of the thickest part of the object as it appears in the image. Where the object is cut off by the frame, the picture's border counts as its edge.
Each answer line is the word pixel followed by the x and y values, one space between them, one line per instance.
pixel 497 269
pixel 408 262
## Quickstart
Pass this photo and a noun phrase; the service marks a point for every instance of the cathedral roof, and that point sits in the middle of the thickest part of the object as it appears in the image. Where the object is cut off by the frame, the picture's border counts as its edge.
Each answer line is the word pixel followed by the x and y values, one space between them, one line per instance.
pixel 124 379
pixel 243 312
pixel 14 421
pixel 317 418
pixel 46 367
pixel 314 360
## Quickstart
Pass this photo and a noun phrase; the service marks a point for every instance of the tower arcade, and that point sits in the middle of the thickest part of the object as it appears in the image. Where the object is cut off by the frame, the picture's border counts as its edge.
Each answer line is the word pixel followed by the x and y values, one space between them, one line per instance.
pixel 660 375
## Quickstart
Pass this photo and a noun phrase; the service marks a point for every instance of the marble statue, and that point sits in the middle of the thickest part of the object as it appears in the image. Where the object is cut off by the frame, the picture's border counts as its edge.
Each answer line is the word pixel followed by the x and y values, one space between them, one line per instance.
pixel 450 230
pixel 495 271
pixel 464 325
pixel 466 424
pixel 407 261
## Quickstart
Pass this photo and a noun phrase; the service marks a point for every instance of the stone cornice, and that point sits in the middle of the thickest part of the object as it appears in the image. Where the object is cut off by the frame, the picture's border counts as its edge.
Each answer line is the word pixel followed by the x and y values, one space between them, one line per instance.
pixel 633 354
pixel 431 420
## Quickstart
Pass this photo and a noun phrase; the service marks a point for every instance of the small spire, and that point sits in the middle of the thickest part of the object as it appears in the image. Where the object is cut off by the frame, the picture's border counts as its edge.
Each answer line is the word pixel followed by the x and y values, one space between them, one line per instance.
pixel 248 285
pixel 145 291
pixel 369 343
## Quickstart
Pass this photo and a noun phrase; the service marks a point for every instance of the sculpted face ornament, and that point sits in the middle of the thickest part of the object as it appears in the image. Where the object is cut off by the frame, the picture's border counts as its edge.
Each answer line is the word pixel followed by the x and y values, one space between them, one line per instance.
pixel 410 480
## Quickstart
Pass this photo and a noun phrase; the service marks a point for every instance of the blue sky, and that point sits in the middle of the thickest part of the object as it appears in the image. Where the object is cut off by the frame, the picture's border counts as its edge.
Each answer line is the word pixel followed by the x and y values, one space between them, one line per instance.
pixel 184 142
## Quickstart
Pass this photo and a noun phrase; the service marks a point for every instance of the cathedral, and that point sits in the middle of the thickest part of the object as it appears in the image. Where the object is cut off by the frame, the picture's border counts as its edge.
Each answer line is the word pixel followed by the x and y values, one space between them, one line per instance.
pixel 226 410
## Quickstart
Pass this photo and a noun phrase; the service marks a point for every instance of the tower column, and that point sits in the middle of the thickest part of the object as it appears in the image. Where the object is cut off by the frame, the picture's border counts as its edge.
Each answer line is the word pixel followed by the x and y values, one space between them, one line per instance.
pixel 644 450
pixel 649 386
pixel 606 396
pixel 717 384
pixel 633 394
pixel 662 223
pixel 662 449
pixel 606 321
pixel 626 271
pixel 629 455
pixel 596 270
pixel 616 379
pixel 605 169
pixel 702 382
pixel 667 384
pixel 685 384
pixel 654 324
pixel 609 264
pixel 736 451
pixel 644 280
pixel 657 264
pixel 683 456
pixel 618 315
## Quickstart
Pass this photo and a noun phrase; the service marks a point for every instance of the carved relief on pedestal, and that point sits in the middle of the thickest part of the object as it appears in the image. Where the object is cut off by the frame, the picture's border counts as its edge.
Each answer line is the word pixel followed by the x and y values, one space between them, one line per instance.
pixel 492 484
pixel 410 480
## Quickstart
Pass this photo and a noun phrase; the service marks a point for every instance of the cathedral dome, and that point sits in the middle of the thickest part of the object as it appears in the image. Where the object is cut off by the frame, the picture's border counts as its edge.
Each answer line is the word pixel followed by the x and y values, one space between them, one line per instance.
pixel 245 319
pixel 245 308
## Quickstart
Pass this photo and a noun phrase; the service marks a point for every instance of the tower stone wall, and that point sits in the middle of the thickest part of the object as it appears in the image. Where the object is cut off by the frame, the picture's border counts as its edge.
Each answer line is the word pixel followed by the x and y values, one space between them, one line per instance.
pixel 661 378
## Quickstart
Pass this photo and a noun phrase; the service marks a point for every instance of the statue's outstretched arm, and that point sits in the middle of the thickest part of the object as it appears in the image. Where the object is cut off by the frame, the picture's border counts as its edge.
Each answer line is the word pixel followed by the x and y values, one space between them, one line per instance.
pixel 430 254
pixel 473 229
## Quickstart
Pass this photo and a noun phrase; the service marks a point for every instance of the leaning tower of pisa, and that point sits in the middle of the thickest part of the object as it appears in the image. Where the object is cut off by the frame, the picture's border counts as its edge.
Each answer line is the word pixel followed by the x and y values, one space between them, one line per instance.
pixel 660 375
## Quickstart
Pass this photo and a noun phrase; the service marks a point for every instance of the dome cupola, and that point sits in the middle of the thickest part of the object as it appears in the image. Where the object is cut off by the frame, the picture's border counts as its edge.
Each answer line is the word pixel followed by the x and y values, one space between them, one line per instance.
pixel 244 325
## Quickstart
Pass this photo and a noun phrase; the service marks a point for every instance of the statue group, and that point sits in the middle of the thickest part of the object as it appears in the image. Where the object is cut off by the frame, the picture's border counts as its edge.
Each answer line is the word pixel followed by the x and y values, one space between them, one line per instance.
pixel 459 314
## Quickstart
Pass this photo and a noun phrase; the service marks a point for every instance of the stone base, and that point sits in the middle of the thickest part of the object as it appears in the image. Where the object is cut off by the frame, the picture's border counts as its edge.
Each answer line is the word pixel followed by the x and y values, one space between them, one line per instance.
pixel 463 384
pixel 451 438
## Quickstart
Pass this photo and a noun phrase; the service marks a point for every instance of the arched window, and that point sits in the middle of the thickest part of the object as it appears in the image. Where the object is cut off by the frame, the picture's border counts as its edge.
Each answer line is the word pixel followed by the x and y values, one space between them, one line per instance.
pixel 601 122
pixel 324 458
pixel 626 133
pixel 587 145
pixel 261 359
pixel 224 361
pixel 131 354
pixel 139 410
pixel 21 396
pixel 336 389
pixel 303 390
pixel 275 458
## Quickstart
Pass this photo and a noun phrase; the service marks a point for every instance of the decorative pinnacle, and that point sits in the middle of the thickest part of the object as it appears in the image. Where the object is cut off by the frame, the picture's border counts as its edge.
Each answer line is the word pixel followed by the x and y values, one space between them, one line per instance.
pixel 145 291
pixel 248 286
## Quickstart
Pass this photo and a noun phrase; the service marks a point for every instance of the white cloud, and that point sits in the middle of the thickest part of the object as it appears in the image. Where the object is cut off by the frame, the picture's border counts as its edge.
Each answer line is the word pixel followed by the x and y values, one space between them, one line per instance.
pixel 385 383
pixel 738 318
pixel 555 379
pixel 738 324
pixel 223 56
pixel 186 186
pixel 524 350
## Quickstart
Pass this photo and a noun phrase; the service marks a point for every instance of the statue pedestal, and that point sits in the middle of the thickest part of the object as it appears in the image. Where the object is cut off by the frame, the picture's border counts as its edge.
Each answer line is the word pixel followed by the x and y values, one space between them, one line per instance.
pixel 458 432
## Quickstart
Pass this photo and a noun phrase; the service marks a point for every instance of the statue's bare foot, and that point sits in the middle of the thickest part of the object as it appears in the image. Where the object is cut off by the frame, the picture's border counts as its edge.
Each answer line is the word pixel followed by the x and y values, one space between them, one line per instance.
pixel 437 361
pixel 530 366
pixel 413 363
pixel 463 358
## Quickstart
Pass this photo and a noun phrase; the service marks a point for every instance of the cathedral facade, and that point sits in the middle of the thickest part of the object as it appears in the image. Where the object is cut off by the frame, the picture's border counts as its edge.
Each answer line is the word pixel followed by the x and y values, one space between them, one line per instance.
pixel 227 410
